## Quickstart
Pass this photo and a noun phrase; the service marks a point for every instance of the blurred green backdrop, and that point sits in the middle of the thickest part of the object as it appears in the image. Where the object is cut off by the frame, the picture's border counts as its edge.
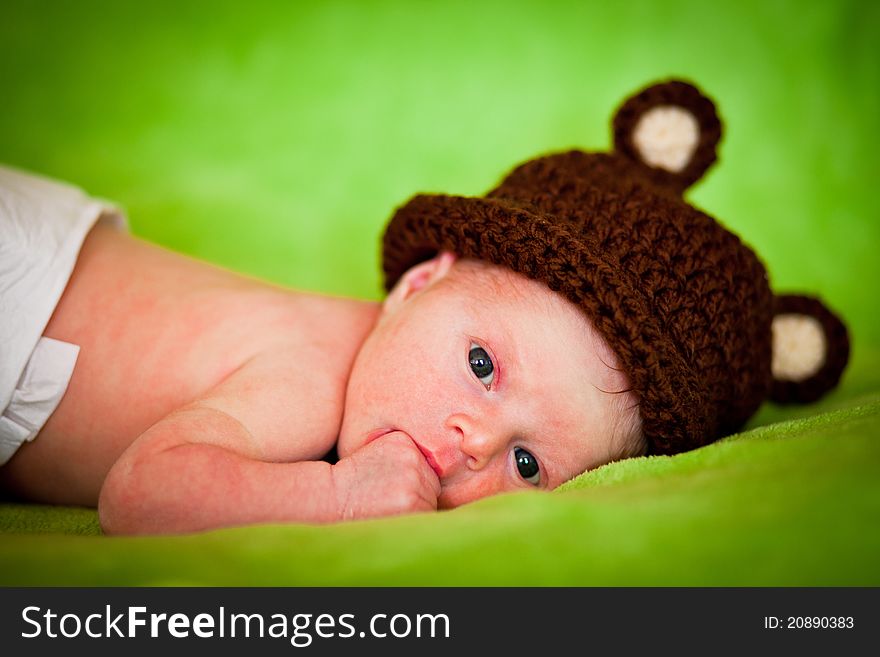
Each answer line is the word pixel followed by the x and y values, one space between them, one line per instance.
pixel 276 138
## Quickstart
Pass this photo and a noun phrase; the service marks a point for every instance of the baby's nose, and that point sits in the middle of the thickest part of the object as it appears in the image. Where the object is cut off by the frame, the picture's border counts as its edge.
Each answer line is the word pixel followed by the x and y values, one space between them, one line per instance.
pixel 478 441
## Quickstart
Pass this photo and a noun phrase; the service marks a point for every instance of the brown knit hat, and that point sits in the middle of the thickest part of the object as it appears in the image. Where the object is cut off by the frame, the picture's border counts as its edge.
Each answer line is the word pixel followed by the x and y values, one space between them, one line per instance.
pixel 682 301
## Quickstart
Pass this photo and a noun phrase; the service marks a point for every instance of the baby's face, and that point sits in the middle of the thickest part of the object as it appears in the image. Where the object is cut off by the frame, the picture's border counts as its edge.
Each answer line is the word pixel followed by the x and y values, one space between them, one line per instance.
pixel 503 384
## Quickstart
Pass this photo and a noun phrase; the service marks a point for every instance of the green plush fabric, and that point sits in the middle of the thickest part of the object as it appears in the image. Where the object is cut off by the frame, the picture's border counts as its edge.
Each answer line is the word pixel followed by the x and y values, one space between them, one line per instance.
pixel 794 503
pixel 275 139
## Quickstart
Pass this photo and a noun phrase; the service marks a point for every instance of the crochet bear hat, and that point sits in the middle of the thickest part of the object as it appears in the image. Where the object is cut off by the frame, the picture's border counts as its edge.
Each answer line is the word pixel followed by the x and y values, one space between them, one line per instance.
pixel 682 301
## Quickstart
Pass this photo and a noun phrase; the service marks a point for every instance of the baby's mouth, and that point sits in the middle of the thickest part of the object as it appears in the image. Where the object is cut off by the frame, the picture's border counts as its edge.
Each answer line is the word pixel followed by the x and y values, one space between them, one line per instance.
pixel 427 453
pixel 432 461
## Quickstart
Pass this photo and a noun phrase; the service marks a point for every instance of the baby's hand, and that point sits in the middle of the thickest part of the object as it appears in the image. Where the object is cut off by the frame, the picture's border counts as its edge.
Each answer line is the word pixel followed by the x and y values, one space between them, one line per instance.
pixel 388 476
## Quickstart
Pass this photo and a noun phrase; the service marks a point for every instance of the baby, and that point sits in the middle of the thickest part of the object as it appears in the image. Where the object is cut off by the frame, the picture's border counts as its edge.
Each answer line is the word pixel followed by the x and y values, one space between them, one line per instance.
pixel 579 313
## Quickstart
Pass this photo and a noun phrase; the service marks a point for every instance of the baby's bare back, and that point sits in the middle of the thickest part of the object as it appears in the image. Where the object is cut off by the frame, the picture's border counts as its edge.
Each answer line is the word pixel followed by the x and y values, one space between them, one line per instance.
pixel 157 332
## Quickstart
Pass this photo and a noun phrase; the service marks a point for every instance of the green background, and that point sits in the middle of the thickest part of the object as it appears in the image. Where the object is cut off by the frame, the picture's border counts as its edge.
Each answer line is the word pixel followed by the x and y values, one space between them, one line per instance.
pixel 276 139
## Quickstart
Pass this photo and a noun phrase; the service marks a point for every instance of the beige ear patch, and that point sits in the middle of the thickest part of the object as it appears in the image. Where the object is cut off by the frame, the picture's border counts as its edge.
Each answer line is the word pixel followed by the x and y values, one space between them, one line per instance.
pixel 666 137
pixel 799 347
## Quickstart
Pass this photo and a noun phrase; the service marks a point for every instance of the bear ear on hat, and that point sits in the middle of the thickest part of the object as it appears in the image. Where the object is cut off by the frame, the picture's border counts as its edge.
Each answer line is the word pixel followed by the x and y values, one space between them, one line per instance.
pixel 810 349
pixel 670 130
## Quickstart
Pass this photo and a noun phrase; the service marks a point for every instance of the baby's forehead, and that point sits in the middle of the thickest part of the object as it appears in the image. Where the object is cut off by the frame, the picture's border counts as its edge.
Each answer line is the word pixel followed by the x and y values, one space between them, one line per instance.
pixel 523 297
pixel 503 281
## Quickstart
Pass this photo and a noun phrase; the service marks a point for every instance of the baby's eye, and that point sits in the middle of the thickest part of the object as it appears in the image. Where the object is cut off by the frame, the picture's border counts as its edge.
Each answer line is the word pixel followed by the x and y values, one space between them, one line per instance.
pixel 481 365
pixel 527 466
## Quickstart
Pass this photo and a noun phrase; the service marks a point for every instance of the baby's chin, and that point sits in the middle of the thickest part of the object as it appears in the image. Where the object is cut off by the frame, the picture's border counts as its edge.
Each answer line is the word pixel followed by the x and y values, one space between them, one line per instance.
pixel 451 497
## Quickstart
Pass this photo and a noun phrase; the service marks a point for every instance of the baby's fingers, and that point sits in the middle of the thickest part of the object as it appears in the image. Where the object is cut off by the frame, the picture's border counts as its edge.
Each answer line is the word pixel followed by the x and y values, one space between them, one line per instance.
pixel 426 473
pixel 431 481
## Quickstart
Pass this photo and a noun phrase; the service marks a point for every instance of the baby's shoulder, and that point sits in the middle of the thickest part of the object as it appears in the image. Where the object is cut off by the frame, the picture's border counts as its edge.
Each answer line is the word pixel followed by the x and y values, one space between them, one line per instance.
pixel 292 384
pixel 300 326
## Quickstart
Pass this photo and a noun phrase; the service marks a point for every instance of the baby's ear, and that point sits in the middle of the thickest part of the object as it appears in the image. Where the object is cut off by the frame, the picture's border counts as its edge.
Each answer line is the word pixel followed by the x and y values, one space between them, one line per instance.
pixel 671 130
pixel 810 349
pixel 419 277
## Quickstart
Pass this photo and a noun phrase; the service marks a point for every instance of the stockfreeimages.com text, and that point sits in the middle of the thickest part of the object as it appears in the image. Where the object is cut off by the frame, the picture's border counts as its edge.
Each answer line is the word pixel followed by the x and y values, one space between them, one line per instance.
pixel 300 629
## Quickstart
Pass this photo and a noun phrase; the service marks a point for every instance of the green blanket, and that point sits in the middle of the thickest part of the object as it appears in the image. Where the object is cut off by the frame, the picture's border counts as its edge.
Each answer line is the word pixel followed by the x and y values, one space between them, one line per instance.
pixel 277 142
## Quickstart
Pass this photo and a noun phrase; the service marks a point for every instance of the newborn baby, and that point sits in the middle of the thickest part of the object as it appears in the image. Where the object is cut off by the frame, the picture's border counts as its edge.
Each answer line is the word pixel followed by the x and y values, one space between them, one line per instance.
pixel 579 313
pixel 202 398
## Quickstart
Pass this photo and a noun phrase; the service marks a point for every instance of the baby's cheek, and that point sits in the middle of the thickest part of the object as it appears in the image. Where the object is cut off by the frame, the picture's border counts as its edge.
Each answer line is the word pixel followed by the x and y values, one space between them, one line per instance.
pixel 475 487
pixel 424 406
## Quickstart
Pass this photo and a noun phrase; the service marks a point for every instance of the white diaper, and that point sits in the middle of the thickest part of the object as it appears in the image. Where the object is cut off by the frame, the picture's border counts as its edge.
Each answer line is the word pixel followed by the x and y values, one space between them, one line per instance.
pixel 43 224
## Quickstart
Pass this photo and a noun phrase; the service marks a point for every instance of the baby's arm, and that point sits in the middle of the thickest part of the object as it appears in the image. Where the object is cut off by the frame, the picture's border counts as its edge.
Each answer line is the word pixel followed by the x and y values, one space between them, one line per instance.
pixel 208 465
